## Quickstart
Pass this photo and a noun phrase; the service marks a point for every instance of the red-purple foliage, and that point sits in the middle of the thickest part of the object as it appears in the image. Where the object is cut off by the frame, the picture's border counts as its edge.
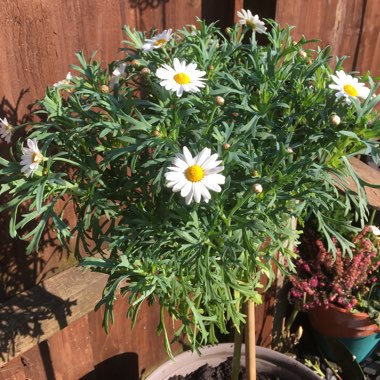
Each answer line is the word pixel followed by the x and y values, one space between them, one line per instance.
pixel 322 279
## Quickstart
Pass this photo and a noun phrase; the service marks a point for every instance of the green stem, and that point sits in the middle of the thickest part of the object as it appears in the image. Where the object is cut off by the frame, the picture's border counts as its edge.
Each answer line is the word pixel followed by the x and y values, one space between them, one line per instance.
pixel 292 317
pixel 238 340
pixel 372 218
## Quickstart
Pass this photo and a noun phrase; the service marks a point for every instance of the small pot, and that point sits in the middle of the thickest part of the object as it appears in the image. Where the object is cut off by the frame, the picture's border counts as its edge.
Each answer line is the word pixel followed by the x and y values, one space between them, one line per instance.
pixel 268 362
pixel 356 331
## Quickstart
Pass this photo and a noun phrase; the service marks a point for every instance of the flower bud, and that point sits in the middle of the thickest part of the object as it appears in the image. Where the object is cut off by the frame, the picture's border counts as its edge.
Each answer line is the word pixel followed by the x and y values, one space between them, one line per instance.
pixel 290 150
pixel 228 30
pixel 104 89
pixel 135 63
pixel 210 67
pixel 156 133
pixel 302 54
pixel 335 119
pixel 235 114
pixel 257 188
pixel 226 146
pixel 145 71
pixel 219 100
pixel 255 173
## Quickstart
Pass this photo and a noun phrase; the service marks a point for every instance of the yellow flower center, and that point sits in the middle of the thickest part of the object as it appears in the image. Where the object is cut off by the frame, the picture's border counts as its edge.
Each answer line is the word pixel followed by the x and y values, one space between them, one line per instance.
pixel 8 127
pixel 250 24
pixel 350 90
pixel 160 42
pixel 194 173
pixel 37 157
pixel 182 78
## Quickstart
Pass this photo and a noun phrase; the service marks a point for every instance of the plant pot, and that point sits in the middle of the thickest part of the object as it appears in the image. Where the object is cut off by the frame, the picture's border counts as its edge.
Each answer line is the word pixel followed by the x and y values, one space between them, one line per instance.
pixel 356 331
pixel 268 362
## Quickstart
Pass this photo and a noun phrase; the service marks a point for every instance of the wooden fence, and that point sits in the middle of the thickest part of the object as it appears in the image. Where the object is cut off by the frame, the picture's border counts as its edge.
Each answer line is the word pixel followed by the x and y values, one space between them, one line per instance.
pixel 40 299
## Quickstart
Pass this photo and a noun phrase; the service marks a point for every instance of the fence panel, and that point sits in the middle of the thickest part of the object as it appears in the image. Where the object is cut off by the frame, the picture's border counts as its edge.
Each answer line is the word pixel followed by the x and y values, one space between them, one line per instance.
pixel 334 22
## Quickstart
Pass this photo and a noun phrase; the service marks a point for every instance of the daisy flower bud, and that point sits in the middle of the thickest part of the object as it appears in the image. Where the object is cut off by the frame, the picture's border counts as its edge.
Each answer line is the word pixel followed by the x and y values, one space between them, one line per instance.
pixel 145 71
pixel 335 119
pixel 219 100
pixel 135 63
pixel 257 188
pixel 104 89
pixel 226 146
pixel 302 54
pixel 289 150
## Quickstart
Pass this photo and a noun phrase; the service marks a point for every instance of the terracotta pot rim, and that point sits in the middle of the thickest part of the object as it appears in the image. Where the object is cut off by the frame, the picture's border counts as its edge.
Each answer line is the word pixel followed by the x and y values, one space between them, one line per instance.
pixel 343 310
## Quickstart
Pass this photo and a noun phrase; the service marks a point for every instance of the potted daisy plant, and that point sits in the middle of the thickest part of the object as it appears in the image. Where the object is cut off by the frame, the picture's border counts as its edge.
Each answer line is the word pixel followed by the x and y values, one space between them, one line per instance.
pixel 183 159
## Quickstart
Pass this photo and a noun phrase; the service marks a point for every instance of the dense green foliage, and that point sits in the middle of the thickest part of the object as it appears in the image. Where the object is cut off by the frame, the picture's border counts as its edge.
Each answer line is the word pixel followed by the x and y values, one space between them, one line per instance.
pixel 109 140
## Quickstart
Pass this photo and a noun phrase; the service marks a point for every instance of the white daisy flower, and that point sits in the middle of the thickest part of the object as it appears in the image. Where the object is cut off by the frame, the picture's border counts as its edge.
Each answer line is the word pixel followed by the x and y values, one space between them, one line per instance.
pixel 348 87
pixel 195 176
pixel 158 41
pixel 6 130
pixel 31 158
pixel 65 81
pixel 253 22
pixel 181 77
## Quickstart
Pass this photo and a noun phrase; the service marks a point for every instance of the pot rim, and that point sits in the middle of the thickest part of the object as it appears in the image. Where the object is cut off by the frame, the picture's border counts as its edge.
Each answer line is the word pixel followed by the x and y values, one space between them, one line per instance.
pixel 268 361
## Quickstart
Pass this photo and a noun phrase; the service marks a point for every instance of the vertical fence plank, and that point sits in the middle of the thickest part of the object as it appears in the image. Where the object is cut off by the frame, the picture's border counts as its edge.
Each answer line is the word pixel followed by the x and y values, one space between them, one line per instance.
pixel 336 23
pixel 368 56
pixel 70 352
pixel 182 12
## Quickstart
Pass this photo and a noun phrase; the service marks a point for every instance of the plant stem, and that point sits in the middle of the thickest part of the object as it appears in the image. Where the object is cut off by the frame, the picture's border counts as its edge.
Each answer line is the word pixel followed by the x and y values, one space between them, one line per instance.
pixel 238 340
pixel 373 214
pixel 250 342
pixel 291 319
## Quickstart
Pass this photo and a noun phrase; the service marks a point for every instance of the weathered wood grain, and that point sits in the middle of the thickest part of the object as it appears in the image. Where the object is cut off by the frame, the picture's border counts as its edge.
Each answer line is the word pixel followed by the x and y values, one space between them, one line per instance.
pixel 367 55
pixel 370 175
pixel 335 22
pixel 37 314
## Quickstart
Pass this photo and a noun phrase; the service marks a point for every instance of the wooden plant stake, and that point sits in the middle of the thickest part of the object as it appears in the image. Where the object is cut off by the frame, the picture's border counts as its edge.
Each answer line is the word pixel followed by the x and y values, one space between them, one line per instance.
pixel 250 342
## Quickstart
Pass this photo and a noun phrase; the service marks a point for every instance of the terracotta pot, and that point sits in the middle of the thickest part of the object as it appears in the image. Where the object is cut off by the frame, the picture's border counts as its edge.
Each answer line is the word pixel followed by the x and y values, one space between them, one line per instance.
pixel 268 362
pixel 338 322
pixel 356 331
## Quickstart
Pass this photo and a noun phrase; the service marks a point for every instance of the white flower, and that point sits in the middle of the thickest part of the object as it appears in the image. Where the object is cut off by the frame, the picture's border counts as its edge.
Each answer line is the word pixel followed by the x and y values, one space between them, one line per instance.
pixel 116 74
pixel 119 71
pixel 195 176
pixel 31 158
pixel 348 87
pixel 65 81
pixel 181 77
pixel 6 130
pixel 158 41
pixel 253 22
pixel 375 230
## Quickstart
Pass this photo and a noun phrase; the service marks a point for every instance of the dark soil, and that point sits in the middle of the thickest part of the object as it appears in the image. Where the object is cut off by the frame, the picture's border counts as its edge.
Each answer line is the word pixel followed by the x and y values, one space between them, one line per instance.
pixel 222 372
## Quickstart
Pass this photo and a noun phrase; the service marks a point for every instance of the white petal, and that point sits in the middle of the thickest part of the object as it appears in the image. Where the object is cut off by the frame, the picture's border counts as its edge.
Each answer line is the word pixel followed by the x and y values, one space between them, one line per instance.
pixel 186 189
pixel 205 193
pixel 180 185
pixel 210 184
pixel 179 91
pixel 197 192
pixel 188 157
pixel 201 157
pixel 189 198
